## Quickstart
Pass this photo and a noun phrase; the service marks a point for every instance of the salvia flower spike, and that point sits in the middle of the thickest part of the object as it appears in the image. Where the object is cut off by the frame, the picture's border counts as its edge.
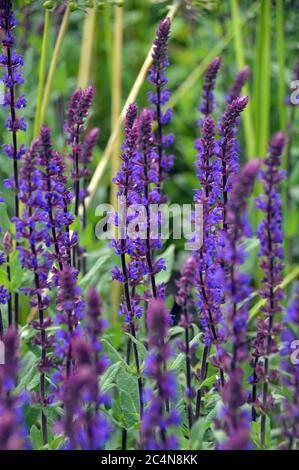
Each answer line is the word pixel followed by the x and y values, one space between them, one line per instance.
pixel 132 272
pixel 271 255
pixel 237 289
pixel 209 274
pixel 84 423
pixel 159 99
pixel 207 101
pixel 185 299
pixel 81 150
pixel 227 152
pixel 12 429
pixel 155 433
pixel 290 367
pixel 240 81
pixel 11 63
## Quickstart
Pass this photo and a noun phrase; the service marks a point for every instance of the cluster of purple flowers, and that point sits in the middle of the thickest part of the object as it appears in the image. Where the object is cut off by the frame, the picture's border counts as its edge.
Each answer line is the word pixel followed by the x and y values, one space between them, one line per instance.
pixel 237 290
pixel 84 424
pixel 154 433
pixel 81 153
pixel 44 241
pixel 11 62
pixel 271 254
pixel 81 150
pixel 12 432
pixel 217 164
pixel 290 367
pixel 240 81
pixel 159 99
pixel 185 299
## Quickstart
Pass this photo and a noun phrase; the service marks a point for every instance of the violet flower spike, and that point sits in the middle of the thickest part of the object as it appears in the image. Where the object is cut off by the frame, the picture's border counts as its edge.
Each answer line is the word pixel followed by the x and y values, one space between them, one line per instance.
pixel 207 100
pixel 227 153
pixel 32 227
pixel 209 274
pixel 84 423
pixel 70 306
pixel 12 429
pixel 131 273
pixel 290 404
pixel 149 178
pixel 271 254
pixel 11 62
pixel 75 125
pixel 185 299
pixel 160 97
pixel 5 295
pixel 154 433
pixel 240 81
pixel 235 420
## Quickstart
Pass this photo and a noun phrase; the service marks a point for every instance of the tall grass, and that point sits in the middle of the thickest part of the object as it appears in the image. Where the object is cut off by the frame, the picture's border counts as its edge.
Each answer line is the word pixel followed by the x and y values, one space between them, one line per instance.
pixel 240 61
pixel 262 87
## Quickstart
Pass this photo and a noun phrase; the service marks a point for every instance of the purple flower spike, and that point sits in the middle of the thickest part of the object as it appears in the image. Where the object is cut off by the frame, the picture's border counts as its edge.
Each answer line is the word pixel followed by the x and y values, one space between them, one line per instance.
pixel 207 101
pixel 84 425
pixel 81 152
pixel 159 98
pixel 11 63
pixel 12 430
pixel 227 152
pixel 290 367
pixel 271 254
pixel 185 299
pixel 235 421
pixel 238 84
pixel 70 306
pixel 154 434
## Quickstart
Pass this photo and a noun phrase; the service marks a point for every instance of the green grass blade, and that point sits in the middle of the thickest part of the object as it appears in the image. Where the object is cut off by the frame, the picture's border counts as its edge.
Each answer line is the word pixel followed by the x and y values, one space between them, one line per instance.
pixel 42 73
pixel 280 52
pixel 262 79
pixel 239 52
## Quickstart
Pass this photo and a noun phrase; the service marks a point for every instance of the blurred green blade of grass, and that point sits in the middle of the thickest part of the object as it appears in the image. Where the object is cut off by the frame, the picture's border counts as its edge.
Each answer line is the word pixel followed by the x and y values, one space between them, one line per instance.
pixel 42 73
pixel 262 87
pixel 100 169
pixel 240 59
pixel 280 52
pixel 53 64
pixel 87 44
pixel 214 52
pixel 288 279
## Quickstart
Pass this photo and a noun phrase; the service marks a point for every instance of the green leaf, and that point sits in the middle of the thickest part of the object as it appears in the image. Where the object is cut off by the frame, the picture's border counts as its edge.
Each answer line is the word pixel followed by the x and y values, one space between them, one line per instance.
pixel 179 362
pixel 35 438
pixel 143 353
pixel 208 381
pixel 129 398
pixel 17 273
pixel 108 378
pixel 86 281
pixel 28 378
pixel 114 354
pixel 5 222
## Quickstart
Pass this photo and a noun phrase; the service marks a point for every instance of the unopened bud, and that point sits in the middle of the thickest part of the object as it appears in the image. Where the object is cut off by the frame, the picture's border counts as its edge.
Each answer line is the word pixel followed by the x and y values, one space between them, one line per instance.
pixel 7 243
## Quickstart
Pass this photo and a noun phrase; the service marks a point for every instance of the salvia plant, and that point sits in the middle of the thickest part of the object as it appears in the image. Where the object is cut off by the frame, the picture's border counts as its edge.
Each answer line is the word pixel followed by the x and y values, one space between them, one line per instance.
pixel 203 350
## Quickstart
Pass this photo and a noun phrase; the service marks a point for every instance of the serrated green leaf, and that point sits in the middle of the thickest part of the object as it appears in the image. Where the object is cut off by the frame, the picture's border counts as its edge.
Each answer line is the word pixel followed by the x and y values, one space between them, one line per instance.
pixel 129 398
